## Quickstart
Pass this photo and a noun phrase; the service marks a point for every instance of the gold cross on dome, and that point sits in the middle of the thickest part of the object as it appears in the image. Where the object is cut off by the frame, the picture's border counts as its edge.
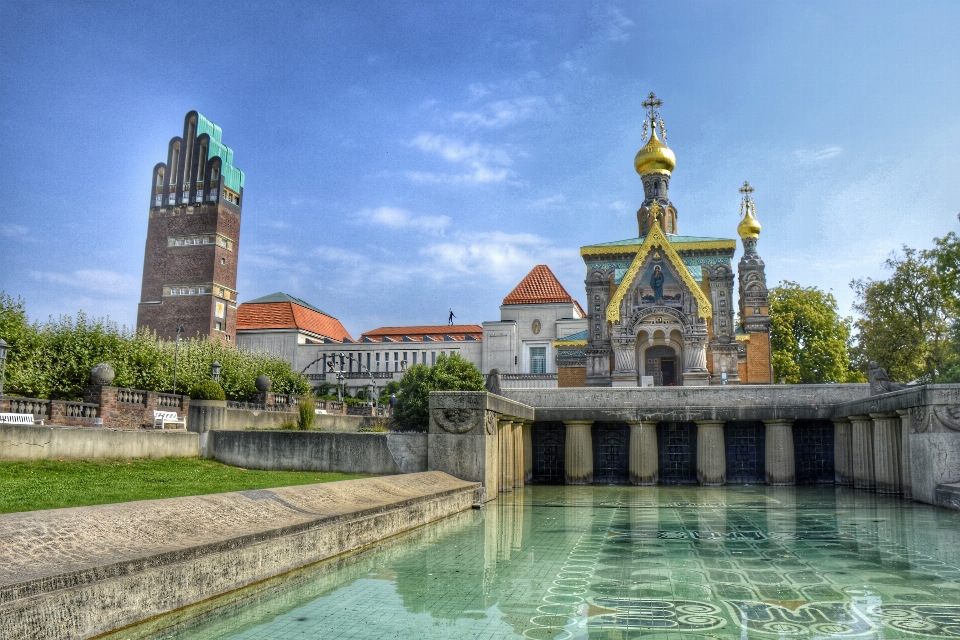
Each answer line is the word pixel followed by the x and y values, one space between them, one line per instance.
pixel 746 190
pixel 652 104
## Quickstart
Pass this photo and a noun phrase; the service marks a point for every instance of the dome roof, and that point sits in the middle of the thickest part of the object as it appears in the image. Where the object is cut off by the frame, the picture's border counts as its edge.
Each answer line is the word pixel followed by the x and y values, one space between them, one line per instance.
pixel 749 227
pixel 654 157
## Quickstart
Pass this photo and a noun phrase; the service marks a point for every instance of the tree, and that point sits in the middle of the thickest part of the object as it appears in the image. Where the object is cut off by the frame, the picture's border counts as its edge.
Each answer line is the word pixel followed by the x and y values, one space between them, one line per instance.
pixel 809 339
pixel 907 321
pixel 450 373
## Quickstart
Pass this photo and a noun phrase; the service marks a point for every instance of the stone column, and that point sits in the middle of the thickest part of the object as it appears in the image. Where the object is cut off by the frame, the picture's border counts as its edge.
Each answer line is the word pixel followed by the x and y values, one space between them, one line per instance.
pixel 711 453
pixel 906 478
pixel 842 452
pixel 781 466
pixel 506 468
pixel 518 470
pixel 886 451
pixel 644 457
pixel 578 456
pixel 527 451
pixel 862 446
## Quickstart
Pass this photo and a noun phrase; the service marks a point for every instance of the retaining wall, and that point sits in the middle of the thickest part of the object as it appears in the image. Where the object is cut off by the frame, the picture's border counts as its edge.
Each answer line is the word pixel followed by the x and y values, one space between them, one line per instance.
pixel 81 572
pixel 33 442
pixel 376 453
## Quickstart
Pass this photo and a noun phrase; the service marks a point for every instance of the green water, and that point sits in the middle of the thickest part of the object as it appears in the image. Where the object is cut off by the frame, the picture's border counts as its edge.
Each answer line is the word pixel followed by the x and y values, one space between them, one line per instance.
pixel 631 562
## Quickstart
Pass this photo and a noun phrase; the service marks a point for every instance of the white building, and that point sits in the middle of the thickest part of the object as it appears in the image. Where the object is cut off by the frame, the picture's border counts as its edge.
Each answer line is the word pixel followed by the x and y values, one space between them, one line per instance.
pixel 537 312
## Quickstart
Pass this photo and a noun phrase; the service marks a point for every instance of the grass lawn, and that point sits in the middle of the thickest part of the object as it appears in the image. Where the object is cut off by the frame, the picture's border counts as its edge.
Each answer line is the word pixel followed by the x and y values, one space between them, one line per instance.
pixel 50 484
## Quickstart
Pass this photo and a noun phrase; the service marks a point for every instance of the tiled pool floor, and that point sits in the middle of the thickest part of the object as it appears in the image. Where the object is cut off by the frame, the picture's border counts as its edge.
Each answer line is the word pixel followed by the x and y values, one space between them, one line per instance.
pixel 632 562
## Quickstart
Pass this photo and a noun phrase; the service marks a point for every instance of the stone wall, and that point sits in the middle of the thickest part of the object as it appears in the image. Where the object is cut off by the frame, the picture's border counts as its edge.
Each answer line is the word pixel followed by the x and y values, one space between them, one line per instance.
pixel 133 408
pixel 373 453
pixel 481 437
pixel 33 442
pixel 81 572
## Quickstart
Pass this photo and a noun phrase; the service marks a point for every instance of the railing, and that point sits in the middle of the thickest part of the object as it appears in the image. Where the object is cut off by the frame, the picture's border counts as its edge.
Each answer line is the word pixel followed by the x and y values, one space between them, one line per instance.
pixel 258 406
pixel 381 375
pixel 334 407
pixel 168 400
pixel 284 399
pixel 132 396
pixel 316 376
pixel 30 405
pixel 528 380
pixel 80 410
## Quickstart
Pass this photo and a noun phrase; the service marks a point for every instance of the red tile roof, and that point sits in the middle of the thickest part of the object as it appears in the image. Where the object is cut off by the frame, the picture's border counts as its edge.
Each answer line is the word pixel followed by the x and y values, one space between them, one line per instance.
pixel 540 286
pixel 417 332
pixel 288 315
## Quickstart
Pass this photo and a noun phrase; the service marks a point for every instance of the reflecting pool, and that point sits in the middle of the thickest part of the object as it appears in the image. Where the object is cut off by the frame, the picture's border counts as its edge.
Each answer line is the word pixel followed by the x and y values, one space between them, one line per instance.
pixel 628 562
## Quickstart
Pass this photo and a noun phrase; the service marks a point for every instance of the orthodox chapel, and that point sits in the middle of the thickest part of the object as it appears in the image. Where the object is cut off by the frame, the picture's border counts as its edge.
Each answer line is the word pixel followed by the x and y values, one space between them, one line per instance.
pixel 661 308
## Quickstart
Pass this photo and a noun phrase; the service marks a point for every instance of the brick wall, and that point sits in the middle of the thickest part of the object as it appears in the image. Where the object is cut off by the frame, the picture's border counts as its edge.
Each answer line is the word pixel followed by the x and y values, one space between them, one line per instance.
pixel 137 412
pixel 572 377
pixel 191 264
pixel 758 359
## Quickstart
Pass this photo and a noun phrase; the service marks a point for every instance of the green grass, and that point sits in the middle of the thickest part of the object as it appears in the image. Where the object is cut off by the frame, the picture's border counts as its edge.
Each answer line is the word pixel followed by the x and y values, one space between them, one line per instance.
pixel 50 484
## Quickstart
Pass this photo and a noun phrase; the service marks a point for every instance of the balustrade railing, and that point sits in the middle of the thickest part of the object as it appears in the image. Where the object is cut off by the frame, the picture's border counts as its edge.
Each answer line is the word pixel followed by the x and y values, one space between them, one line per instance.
pixel 258 406
pixel 132 396
pixel 30 405
pixel 80 410
pixel 168 400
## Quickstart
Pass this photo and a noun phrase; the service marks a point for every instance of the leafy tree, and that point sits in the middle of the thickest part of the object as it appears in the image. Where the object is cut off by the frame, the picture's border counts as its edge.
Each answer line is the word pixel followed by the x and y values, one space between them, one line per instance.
pixel 450 373
pixel 809 339
pixel 207 390
pixel 907 321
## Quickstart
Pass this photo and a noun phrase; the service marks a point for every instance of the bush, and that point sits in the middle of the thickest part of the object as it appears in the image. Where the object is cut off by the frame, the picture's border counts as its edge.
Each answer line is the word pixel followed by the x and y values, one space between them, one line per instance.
pixel 307 415
pixel 53 359
pixel 207 390
pixel 451 373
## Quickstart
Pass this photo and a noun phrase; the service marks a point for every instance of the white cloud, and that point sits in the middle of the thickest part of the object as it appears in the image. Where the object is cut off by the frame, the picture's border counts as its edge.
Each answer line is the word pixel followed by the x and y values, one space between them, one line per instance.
pixel 15 231
pixel 95 280
pixel 621 206
pixel 501 113
pixel 503 256
pixel 484 163
pixel 809 155
pixel 551 202
pixel 397 218
pixel 618 25
pixel 478 90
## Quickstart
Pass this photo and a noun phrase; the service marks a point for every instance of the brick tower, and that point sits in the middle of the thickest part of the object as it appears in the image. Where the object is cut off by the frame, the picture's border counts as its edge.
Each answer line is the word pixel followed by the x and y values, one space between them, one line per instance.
pixel 190 262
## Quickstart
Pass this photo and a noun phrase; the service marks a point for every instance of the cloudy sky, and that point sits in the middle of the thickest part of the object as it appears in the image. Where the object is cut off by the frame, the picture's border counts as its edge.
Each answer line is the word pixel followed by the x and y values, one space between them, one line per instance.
pixel 401 160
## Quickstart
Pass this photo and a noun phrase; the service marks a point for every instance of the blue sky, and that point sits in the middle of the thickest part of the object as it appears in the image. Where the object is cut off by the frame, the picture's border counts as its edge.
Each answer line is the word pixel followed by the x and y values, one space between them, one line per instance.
pixel 403 159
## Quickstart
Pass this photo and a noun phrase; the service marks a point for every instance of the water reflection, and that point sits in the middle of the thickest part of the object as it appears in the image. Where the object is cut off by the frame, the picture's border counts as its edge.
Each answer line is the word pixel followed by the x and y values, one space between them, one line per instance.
pixel 624 562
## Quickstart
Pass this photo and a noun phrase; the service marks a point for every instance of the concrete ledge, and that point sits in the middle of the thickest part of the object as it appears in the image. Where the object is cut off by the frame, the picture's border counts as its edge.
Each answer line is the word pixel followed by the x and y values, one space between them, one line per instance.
pixel 81 572
pixel 687 404
pixel 30 442
pixel 375 453
pixel 948 495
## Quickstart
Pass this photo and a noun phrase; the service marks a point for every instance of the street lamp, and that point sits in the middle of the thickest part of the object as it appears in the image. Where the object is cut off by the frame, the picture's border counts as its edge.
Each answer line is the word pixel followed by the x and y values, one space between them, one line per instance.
pixel 215 371
pixel 3 362
pixel 176 355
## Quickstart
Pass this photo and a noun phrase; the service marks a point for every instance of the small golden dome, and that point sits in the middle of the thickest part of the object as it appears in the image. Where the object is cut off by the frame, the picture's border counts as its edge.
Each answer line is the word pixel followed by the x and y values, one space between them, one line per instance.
pixel 654 157
pixel 749 227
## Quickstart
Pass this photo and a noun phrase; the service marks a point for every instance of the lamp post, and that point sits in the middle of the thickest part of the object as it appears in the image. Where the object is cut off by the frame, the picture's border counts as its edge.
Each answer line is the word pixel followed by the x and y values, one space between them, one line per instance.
pixel 215 371
pixel 176 355
pixel 3 362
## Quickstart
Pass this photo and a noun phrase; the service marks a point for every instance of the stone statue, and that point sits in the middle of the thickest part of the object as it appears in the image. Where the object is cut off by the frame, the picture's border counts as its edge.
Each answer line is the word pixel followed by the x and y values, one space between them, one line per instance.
pixel 880 381
pixel 493 382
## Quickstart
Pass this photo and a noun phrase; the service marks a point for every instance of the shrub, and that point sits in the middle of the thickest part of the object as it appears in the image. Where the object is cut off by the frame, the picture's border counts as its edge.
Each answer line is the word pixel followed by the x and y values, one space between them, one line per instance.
pixel 451 373
pixel 207 390
pixel 307 415
pixel 53 359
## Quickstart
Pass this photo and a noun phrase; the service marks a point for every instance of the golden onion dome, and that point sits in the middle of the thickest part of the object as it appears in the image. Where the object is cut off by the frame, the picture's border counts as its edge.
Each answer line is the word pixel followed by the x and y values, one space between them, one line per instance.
pixel 654 157
pixel 749 227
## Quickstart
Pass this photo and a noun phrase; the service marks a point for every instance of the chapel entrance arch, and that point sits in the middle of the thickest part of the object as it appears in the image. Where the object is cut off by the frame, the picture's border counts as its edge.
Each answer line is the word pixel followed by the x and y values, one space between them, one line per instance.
pixel 662 363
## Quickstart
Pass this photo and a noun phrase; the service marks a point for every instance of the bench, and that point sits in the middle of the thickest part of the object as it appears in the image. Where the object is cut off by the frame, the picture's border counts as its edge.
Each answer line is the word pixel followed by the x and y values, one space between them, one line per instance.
pixel 163 418
pixel 19 418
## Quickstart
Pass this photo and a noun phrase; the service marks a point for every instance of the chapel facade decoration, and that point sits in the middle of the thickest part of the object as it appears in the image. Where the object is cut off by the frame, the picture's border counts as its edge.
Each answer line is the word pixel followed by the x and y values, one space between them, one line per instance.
pixel 661 306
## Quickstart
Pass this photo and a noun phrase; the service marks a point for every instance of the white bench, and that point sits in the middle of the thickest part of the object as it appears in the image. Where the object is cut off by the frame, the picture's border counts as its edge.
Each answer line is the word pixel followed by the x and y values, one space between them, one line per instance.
pixel 19 418
pixel 163 418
